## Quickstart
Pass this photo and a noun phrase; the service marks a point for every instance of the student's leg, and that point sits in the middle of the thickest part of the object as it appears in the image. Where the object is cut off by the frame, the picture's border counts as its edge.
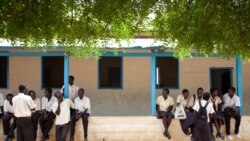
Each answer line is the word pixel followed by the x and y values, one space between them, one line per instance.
pixel 35 119
pixel 85 122
pixel 64 132
pixel 12 128
pixel 237 124
pixel 58 133
pixel 227 122
pixel 49 124
pixel 42 122
pixel 6 125
pixel 72 127
pixel 20 136
pixel 28 131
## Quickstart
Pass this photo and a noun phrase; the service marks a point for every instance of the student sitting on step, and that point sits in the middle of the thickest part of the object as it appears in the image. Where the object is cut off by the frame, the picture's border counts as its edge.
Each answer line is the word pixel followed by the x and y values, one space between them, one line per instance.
pixel 164 107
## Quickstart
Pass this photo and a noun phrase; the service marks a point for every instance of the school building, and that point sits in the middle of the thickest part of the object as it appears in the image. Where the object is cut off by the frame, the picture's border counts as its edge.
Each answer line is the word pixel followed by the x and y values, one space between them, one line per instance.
pixel 124 83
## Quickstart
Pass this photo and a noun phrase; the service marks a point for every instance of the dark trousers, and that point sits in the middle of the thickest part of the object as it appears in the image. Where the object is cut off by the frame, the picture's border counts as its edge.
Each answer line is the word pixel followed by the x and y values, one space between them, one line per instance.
pixel 25 130
pixel 46 123
pixel 61 132
pixel 237 123
pixel 85 123
pixel 7 128
pixel 35 118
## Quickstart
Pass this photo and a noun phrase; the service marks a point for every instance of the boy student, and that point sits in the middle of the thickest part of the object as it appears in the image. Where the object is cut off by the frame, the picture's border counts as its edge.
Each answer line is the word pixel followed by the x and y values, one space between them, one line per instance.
pixel 36 114
pixel 204 110
pixel 82 110
pixel 1 104
pixel 8 115
pixel 232 110
pixel 217 117
pixel 73 89
pixel 62 110
pixel 164 106
pixel 47 116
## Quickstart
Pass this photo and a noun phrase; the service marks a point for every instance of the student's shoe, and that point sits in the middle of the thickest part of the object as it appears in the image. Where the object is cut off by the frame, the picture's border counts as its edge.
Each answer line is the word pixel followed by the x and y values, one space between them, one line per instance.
pixel 220 136
pixel 8 139
pixel 168 135
pixel 230 137
pixel 238 136
pixel 85 139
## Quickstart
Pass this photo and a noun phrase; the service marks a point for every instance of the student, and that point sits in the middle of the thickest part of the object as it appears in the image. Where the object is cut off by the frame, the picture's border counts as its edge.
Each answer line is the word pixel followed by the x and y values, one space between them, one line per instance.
pixel 183 100
pixel 202 131
pixel 47 116
pixel 82 110
pixel 232 110
pixel 164 106
pixel 35 114
pixel 196 97
pixel 217 117
pixel 8 115
pixel 1 104
pixel 73 89
pixel 62 111
pixel 23 105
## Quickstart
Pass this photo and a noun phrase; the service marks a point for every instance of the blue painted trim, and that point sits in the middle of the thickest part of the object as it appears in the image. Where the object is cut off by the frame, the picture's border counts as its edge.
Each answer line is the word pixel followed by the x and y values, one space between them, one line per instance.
pixel 219 68
pixel 239 81
pixel 8 74
pixel 178 76
pixel 99 78
pixel 25 54
pixel 66 76
pixel 153 85
pixel 138 54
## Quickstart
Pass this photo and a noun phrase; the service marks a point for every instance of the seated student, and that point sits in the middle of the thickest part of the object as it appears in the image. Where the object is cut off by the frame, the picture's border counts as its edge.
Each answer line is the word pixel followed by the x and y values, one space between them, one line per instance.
pixel 1 104
pixel 196 97
pixel 183 100
pixel 164 107
pixel 36 113
pixel 204 110
pixel 217 117
pixel 8 115
pixel 47 116
pixel 82 110
pixel 232 110
pixel 62 111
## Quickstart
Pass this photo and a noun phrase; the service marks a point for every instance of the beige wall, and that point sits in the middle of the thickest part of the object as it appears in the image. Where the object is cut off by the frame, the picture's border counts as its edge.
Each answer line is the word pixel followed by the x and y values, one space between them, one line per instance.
pixel 134 98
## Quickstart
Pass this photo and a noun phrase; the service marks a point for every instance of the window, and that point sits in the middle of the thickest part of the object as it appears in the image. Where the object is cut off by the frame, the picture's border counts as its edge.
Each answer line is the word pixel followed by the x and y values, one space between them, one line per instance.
pixel 110 72
pixel 3 71
pixel 167 72
pixel 52 72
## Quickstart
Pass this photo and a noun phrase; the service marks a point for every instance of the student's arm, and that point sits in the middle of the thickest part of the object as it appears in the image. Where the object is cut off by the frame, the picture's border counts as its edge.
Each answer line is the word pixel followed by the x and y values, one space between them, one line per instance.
pixel 31 103
pixel 157 106
pixel 58 110
pixel 170 108
pixel 1 107
pixel 1 102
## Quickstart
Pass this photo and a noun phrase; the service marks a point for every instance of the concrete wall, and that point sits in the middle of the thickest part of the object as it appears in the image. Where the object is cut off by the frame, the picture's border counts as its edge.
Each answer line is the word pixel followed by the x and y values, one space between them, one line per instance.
pixel 134 98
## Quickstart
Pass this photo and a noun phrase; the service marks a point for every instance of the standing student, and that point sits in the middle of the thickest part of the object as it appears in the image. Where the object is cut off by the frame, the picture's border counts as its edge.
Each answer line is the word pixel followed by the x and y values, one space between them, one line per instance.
pixel 164 107
pixel 1 104
pixel 196 97
pixel 232 110
pixel 62 111
pixel 8 129
pixel 35 114
pixel 82 110
pixel 73 89
pixel 217 117
pixel 47 116
pixel 204 110
pixel 23 105
pixel 183 101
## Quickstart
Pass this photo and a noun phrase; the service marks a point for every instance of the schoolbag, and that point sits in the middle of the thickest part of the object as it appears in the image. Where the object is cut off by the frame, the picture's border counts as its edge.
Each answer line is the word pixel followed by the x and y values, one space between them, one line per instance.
pixel 201 119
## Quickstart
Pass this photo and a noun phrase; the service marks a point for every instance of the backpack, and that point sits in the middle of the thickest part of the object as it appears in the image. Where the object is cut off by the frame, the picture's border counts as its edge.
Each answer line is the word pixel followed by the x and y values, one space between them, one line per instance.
pixel 201 119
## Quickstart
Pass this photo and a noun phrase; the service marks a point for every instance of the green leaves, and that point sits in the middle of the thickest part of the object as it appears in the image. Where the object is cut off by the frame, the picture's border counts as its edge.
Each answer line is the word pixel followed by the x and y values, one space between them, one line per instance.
pixel 205 27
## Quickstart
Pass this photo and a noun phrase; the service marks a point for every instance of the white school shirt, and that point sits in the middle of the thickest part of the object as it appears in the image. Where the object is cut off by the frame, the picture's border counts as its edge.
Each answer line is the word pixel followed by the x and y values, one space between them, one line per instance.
pixel 22 105
pixel 216 101
pixel 7 107
pixel 210 108
pixel 193 100
pixel 73 91
pixel 64 116
pixel 164 104
pixel 231 102
pixel 182 101
pixel 1 101
pixel 37 101
pixel 47 104
pixel 82 104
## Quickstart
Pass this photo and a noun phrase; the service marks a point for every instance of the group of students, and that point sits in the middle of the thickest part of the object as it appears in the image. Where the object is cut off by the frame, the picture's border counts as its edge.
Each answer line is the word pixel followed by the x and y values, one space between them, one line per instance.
pixel 27 111
pixel 202 111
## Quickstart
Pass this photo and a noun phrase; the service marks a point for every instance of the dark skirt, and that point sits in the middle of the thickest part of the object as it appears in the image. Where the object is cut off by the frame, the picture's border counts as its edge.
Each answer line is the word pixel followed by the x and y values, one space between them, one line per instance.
pixel 189 121
pixel 218 115
pixel 202 135
pixel 165 114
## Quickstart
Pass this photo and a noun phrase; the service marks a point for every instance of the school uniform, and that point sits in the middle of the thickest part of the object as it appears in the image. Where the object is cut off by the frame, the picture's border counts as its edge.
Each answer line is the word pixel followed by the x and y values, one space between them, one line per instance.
pixel 81 105
pixel 63 119
pixel 46 122
pixel 216 101
pixel 1 104
pixel 164 104
pixel 204 134
pixel 36 115
pixel 73 91
pixel 229 104
pixel 193 100
pixel 22 105
pixel 8 128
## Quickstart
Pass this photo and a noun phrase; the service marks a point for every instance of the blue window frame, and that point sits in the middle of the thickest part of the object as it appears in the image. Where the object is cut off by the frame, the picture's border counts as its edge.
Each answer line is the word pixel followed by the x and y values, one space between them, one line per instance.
pixel 4 64
pixel 110 73
pixel 167 72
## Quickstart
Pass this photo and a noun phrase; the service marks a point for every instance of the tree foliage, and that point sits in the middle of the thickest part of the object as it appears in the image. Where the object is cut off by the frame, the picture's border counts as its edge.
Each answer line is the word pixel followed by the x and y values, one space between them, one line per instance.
pixel 83 27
